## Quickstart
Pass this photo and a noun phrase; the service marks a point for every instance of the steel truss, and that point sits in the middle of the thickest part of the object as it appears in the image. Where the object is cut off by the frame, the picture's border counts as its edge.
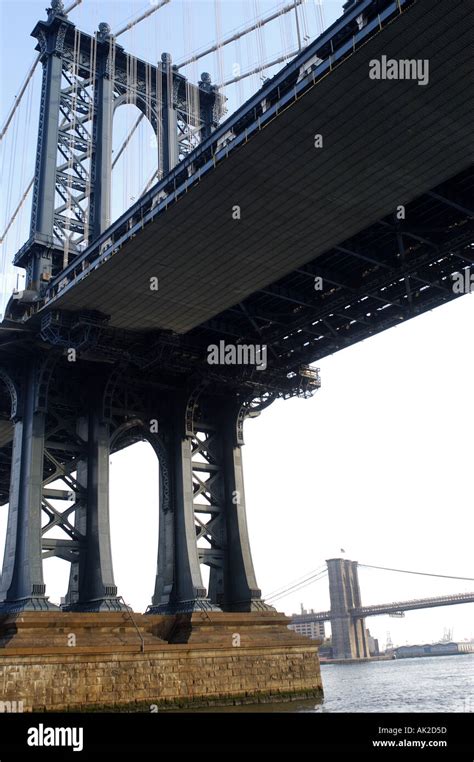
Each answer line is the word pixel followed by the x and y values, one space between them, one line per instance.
pixel 85 79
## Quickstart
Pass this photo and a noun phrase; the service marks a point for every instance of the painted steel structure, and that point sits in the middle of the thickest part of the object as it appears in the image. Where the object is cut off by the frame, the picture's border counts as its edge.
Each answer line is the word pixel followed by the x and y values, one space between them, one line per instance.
pixel 85 80
pixel 93 360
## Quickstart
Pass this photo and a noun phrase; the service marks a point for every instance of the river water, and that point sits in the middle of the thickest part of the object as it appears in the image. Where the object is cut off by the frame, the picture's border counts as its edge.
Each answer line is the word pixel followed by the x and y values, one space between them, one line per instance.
pixel 426 684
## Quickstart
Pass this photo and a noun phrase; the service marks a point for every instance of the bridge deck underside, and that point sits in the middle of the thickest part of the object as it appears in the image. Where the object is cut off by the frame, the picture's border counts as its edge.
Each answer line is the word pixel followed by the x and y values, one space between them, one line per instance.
pixel 385 143
pixel 306 213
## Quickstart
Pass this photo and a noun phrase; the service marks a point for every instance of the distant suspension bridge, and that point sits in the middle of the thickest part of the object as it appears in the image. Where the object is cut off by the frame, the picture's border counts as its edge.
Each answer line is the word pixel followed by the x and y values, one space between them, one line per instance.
pixel 347 614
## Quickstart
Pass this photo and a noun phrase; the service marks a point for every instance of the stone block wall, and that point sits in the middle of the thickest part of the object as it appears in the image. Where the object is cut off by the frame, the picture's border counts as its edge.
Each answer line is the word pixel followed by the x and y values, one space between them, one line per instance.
pixel 270 664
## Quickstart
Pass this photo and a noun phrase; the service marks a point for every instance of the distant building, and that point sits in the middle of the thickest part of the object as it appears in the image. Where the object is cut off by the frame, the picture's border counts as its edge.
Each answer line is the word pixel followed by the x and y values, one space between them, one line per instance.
pixel 433 649
pixel 467 647
pixel 314 630
pixel 373 644
pixel 325 649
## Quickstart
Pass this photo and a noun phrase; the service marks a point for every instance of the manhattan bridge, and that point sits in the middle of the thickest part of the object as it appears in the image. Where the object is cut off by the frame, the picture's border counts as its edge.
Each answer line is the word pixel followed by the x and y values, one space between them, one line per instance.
pixel 325 208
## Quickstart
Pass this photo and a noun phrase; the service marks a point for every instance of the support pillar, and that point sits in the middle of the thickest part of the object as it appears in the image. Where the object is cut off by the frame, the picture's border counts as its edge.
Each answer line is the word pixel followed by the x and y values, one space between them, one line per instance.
pixel 166 550
pixel 207 504
pixel 22 586
pixel 96 589
pixel 103 127
pixel 169 117
pixel 179 587
pixel 241 589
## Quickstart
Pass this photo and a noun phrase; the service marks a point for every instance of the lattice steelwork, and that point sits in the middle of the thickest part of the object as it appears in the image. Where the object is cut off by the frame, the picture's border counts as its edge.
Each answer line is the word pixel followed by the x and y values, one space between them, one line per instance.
pixel 208 499
pixel 73 175
pixel 131 370
pixel 85 79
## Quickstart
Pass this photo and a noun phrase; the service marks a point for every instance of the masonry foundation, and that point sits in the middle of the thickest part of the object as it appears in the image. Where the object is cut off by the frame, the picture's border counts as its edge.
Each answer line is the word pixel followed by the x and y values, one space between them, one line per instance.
pixel 54 661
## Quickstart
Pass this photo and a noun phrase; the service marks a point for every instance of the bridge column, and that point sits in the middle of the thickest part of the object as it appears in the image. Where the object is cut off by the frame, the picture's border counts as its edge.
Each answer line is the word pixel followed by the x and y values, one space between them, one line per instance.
pixel 22 586
pixel 101 186
pixel 92 586
pixel 169 126
pixel 50 36
pixel 349 637
pixel 209 523
pixel 241 591
pixel 179 587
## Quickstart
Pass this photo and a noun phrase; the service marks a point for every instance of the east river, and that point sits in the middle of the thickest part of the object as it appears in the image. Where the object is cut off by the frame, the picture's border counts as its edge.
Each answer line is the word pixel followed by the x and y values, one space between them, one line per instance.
pixel 425 684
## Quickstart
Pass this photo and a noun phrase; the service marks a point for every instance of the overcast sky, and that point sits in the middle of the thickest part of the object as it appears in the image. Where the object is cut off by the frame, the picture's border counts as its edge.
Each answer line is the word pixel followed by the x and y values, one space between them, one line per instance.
pixel 379 462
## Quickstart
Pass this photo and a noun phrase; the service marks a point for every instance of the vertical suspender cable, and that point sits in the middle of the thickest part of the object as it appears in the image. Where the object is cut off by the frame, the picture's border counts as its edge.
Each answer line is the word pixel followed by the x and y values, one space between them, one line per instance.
pixel 19 96
pixel 218 28
pixel 297 26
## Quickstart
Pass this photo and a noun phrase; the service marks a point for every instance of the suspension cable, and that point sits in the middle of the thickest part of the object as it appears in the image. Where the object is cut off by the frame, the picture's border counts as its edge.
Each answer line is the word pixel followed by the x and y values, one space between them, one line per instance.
pixel 320 572
pixel 144 15
pixel 424 574
pixel 27 79
pixel 19 96
pixel 299 579
pixel 237 35
pixel 261 67
pixel 296 588
pixel 20 204
pixel 72 6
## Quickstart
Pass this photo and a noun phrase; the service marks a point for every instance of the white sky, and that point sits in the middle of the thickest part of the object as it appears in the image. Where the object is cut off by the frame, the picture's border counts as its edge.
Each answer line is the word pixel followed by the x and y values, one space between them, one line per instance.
pixel 379 462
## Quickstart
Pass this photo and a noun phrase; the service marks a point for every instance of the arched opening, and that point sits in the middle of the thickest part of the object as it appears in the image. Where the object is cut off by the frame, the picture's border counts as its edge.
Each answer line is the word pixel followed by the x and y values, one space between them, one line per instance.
pixel 134 514
pixel 134 157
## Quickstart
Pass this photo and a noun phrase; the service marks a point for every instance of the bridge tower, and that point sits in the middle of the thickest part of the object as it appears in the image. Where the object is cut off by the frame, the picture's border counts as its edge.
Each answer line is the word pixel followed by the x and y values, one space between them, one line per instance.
pixel 349 635
pixel 85 80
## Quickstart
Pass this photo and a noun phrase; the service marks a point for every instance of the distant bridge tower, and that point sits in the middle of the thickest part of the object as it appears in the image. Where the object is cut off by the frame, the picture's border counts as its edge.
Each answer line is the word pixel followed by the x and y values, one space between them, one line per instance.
pixel 349 636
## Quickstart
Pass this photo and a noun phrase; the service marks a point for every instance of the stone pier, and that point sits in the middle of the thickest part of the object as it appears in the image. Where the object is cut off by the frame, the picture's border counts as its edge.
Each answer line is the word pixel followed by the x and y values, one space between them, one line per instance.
pixel 105 661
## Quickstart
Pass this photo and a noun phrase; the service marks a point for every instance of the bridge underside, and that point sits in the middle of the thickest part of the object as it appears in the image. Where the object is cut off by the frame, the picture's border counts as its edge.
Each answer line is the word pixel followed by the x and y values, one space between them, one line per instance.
pixel 307 211
pixel 377 279
pixel 385 144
